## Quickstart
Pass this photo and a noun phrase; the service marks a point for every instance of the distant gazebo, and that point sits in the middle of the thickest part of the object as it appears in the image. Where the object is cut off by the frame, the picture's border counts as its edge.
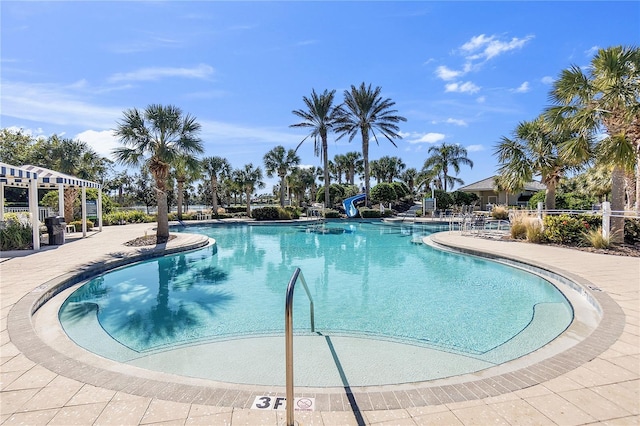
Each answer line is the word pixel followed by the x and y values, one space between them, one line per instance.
pixel 34 177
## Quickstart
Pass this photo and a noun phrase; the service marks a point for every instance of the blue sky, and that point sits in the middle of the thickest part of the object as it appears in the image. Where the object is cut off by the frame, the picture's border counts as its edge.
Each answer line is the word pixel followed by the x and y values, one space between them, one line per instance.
pixel 460 72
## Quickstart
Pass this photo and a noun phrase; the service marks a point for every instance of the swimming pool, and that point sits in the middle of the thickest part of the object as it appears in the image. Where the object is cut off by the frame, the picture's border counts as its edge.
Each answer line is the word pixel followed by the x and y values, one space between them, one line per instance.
pixel 369 281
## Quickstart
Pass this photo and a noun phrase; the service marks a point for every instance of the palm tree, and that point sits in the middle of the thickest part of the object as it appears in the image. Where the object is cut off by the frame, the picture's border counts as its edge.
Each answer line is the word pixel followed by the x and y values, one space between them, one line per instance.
pixel 280 162
pixel 185 169
pixel 72 157
pixel 410 177
pixel 536 148
pixel 249 178
pixel 366 112
pixel 605 97
pixel 217 168
pixel 444 156
pixel 321 117
pixel 163 134
pixel 354 163
pixel 390 168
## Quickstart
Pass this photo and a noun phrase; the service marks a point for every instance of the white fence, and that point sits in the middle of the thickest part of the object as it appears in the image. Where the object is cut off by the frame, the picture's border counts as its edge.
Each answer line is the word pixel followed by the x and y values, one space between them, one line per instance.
pixel 42 211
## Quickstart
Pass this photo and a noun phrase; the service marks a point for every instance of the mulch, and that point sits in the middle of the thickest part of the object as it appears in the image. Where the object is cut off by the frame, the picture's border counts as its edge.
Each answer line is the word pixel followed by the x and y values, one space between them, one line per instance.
pixel 148 240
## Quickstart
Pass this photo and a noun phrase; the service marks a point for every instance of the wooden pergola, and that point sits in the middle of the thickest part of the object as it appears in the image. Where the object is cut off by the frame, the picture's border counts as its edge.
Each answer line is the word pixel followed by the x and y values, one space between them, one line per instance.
pixel 34 177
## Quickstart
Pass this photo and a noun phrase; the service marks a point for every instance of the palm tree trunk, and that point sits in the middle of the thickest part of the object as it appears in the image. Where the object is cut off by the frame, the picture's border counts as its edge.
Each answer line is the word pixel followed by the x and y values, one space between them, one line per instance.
pixel 637 207
pixel 617 204
pixel 327 201
pixel 180 198
pixel 550 196
pixel 282 189
pixel 248 194
pixel 365 157
pixel 214 194
pixel 162 228
pixel 70 195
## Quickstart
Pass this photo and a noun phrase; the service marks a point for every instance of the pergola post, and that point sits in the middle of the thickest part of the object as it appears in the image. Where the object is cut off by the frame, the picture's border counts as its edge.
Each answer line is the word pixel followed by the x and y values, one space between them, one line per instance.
pixel 1 201
pixel 33 207
pixel 61 199
pixel 100 209
pixel 84 212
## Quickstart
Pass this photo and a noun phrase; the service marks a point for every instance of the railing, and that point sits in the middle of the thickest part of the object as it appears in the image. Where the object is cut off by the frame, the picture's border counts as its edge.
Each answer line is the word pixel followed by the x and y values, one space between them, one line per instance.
pixel 43 212
pixel 288 332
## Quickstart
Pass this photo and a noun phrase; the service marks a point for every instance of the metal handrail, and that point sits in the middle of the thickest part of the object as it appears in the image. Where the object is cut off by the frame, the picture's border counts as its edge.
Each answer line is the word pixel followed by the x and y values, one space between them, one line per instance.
pixel 288 332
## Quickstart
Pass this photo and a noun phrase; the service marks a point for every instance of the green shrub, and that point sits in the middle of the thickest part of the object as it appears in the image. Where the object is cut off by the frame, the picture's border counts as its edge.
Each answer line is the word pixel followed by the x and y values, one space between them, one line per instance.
pixel 383 193
pixel 331 214
pixel 401 189
pixel 335 191
pixel 126 216
pixel 16 232
pixel 566 229
pixel 535 199
pixel 236 209
pixel 632 231
pixel 266 213
pixel 78 224
pixel 369 213
pixel 294 212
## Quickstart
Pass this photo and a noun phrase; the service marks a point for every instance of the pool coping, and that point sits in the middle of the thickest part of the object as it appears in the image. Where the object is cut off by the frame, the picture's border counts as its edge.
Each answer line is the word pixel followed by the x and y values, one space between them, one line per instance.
pixel 131 380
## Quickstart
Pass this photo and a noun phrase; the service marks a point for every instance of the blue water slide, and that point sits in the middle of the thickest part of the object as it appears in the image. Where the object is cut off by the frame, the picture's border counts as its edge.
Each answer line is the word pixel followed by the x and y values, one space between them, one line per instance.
pixel 350 206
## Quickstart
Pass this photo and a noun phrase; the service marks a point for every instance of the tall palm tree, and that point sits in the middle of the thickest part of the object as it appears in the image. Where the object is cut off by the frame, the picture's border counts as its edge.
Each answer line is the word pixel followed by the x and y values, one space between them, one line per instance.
pixel 605 97
pixel 281 162
pixel 185 169
pixel 217 168
pixel 367 112
pixel 537 148
pixel 249 178
pixel 157 136
pixel 443 156
pixel 321 117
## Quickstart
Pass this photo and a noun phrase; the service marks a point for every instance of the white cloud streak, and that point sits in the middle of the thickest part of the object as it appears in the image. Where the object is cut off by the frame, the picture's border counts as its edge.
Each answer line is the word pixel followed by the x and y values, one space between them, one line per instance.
pixel 48 104
pixel 523 88
pixel 474 148
pixel 201 72
pixel 484 47
pixel 466 87
pixel 418 138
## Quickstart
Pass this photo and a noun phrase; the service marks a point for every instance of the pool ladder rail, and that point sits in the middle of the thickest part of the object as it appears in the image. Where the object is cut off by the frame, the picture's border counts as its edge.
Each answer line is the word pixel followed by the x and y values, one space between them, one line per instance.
pixel 288 332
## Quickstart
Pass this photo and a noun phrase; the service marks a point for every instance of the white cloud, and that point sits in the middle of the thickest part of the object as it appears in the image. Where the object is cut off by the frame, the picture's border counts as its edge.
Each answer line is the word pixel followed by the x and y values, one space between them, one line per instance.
pixel 447 74
pixel 547 80
pixel 592 51
pixel 466 87
pixel 523 88
pixel 484 47
pixel 475 148
pixel 481 99
pixel 202 72
pixel 103 142
pixel 52 104
pixel 217 132
pixel 416 138
pixel 457 122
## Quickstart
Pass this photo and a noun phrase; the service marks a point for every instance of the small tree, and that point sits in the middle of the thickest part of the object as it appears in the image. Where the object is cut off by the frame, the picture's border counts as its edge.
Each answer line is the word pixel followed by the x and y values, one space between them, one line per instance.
pixel 383 193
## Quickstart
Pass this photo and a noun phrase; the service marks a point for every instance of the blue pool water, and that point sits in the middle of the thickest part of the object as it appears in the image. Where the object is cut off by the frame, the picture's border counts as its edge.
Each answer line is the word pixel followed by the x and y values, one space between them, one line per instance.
pixel 366 279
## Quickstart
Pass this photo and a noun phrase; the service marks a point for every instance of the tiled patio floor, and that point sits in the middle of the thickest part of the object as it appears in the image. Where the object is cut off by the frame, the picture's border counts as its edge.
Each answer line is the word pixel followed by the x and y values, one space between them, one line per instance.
pixel 597 381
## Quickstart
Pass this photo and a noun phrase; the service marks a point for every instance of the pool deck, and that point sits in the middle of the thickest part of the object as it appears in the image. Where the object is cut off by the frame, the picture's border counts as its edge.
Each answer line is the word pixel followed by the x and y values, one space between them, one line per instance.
pixel 597 382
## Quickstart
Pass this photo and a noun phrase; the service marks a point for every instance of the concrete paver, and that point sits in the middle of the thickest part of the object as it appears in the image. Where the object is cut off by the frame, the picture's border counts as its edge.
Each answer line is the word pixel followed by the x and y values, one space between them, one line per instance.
pixel 580 388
